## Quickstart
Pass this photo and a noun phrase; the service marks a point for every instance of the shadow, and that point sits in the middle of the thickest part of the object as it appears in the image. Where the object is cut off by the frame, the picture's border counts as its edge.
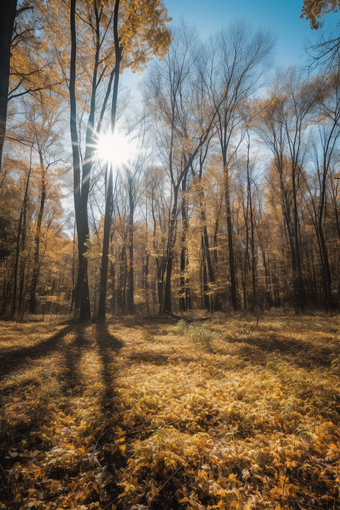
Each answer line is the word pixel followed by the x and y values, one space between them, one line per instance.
pixel 150 357
pixel 108 348
pixel 70 378
pixel 14 360
pixel 30 423
pixel 149 323
pixel 20 385
pixel 301 353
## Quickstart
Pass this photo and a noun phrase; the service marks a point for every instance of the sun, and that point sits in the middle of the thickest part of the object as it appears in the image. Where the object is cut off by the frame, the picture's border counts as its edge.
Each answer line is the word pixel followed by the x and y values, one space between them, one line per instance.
pixel 115 149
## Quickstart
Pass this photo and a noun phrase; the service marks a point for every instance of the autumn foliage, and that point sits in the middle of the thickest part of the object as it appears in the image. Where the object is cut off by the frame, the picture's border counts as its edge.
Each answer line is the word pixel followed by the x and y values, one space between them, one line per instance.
pixel 225 413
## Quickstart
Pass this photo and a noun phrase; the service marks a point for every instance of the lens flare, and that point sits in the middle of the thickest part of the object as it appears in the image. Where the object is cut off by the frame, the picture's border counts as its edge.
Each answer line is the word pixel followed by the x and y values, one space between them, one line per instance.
pixel 114 149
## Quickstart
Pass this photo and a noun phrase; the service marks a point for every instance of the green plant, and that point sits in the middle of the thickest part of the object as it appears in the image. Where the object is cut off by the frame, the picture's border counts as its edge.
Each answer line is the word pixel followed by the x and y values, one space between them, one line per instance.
pixel 196 332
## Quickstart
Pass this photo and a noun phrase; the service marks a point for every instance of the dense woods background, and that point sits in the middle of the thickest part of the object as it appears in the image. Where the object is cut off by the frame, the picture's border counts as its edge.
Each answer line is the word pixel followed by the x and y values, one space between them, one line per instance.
pixel 230 197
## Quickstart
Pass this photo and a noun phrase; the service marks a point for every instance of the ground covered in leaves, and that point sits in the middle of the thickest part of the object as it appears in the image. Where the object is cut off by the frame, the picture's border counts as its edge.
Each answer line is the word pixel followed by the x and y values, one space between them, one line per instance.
pixel 227 413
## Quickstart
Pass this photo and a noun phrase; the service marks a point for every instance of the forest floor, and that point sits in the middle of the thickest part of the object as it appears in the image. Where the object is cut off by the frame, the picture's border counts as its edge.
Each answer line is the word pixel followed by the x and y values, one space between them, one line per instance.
pixel 154 414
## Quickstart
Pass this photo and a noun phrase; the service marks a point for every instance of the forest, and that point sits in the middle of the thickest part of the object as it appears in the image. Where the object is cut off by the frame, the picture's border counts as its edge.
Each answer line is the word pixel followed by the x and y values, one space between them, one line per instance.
pixel 169 262
pixel 227 199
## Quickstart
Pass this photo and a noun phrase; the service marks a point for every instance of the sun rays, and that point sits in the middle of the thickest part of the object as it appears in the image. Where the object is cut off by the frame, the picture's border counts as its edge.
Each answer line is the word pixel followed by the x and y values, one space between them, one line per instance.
pixel 115 149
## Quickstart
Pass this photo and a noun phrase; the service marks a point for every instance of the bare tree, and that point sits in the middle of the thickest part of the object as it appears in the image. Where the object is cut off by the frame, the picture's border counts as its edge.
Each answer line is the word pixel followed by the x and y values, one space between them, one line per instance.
pixel 169 93
pixel 324 152
pixel 131 176
pixel 240 57
pixel 283 127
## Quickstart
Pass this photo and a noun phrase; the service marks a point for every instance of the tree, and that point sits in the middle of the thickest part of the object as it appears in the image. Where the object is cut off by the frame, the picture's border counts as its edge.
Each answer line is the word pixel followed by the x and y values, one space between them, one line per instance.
pixel 138 40
pixel 326 51
pixel 208 270
pixel 31 69
pixel 324 153
pixel 133 173
pixel 239 59
pixel 313 10
pixel 284 125
pixel 156 196
pixel 171 96
pixel 46 141
pixel 8 11
pixel 245 165
pixel 142 32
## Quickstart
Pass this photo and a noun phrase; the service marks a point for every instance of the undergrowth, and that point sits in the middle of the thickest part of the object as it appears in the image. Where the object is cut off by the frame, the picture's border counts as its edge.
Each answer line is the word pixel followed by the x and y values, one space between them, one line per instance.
pixel 197 332
pixel 132 415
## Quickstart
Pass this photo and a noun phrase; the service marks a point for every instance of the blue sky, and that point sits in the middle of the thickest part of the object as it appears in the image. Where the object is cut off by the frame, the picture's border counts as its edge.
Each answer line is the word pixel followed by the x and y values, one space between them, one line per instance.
pixel 281 16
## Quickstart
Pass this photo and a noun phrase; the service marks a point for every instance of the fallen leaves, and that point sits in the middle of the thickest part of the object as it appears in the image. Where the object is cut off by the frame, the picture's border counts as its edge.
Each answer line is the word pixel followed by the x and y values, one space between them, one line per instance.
pixel 136 416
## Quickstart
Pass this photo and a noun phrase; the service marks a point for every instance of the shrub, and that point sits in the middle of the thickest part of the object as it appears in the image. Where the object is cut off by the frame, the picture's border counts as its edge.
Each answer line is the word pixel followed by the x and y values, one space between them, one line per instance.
pixel 196 332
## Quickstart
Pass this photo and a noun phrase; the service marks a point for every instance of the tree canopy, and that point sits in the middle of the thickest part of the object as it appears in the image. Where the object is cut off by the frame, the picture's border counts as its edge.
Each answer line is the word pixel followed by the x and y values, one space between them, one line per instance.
pixel 314 10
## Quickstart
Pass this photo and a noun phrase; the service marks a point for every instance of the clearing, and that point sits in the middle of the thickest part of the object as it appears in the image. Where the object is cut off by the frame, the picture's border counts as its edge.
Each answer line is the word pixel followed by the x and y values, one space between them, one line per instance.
pixel 155 414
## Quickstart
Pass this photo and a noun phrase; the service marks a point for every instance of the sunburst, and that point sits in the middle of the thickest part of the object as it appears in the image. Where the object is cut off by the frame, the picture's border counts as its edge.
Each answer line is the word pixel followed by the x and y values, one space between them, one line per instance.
pixel 116 149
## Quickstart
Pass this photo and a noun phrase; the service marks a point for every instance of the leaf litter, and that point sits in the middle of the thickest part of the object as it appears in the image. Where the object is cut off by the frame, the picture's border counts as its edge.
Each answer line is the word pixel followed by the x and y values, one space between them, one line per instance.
pixel 161 415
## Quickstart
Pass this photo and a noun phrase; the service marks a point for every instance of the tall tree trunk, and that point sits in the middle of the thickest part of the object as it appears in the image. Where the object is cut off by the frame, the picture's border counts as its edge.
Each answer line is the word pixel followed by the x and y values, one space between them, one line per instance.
pixel 108 176
pixel 207 259
pixel 230 240
pixel 325 269
pixel 146 282
pixel 107 224
pixel 16 266
pixel 160 285
pixel 170 254
pixel 113 291
pixel 20 241
pixel 73 295
pixel 184 300
pixel 80 196
pixel 121 291
pixel 130 238
pixel 327 278
pixel 36 266
pixel 8 9
pixel 244 272
pixel 205 296
pixel 21 298
pixel 252 233
pixel 300 295
pixel 146 265
pixel 218 294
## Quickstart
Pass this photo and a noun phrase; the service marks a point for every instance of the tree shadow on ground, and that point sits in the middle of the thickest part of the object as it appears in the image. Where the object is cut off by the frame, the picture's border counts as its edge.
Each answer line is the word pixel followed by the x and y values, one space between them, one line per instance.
pixel 71 378
pixel 151 324
pixel 78 343
pixel 305 354
pixel 21 357
pixel 155 358
pixel 108 348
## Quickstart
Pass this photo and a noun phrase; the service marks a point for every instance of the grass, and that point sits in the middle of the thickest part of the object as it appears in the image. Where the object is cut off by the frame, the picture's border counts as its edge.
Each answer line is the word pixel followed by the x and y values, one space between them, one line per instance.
pixel 157 415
